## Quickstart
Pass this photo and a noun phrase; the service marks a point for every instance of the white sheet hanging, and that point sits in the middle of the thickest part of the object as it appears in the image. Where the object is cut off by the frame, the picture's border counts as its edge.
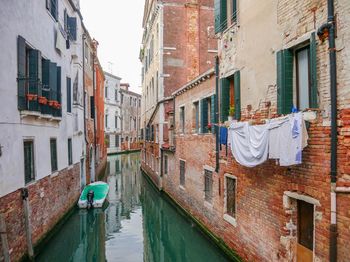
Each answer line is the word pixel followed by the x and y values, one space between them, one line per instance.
pixel 249 144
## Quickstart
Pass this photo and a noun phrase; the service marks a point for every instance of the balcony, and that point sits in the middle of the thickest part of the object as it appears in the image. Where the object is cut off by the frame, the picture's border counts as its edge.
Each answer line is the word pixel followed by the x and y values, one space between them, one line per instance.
pixel 36 99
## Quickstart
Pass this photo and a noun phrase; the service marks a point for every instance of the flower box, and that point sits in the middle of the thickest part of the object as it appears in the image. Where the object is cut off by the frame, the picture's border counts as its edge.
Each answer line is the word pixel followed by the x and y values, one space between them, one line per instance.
pixel 42 100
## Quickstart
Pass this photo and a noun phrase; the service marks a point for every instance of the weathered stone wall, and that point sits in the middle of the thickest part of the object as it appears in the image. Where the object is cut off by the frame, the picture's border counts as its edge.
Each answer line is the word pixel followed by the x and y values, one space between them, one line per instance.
pixel 49 200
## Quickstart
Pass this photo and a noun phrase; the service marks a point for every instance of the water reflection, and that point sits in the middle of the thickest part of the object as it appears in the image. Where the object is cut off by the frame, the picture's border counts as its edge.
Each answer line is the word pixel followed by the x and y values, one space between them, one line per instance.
pixel 137 225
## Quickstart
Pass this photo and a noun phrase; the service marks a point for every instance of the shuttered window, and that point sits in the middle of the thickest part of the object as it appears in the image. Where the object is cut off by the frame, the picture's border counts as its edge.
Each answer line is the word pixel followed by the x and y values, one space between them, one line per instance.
pixel 70 152
pixel 117 166
pixel 213 116
pixel 182 172
pixel 208 185
pixel 53 154
pixel 52 6
pixel 69 95
pixel 72 28
pixel 220 7
pixel 29 167
pixel 196 116
pixel 284 81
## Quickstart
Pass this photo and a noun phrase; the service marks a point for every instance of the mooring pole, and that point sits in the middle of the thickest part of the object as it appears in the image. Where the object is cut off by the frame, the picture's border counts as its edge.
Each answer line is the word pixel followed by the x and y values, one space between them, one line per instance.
pixel 3 233
pixel 27 223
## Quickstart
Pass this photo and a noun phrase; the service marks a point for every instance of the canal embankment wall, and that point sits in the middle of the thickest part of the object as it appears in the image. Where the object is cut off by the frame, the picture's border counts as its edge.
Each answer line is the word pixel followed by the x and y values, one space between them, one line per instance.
pixel 49 199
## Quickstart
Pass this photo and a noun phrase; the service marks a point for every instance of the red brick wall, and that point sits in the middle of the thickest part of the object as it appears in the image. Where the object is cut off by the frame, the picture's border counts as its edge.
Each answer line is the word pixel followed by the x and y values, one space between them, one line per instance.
pixel 49 200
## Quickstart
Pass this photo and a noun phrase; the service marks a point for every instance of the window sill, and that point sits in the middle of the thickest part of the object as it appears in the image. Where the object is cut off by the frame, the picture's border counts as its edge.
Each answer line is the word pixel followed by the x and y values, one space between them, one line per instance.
pixel 230 220
pixel 54 174
pixel 26 113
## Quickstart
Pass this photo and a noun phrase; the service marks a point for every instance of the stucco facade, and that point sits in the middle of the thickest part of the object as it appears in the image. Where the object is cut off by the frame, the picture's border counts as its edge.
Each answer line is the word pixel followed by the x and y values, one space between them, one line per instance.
pixel 41 122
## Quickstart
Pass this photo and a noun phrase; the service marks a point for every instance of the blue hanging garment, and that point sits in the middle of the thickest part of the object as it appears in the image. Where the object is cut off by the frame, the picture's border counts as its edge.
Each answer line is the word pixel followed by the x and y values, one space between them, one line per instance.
pixel 223 135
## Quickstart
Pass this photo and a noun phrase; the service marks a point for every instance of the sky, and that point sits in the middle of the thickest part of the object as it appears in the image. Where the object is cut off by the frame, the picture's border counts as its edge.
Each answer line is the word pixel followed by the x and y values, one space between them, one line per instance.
pixel 117 26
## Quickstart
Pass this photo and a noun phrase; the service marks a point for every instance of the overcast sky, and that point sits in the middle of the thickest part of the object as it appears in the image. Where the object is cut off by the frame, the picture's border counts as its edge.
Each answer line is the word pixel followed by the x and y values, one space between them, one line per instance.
pixel 117 26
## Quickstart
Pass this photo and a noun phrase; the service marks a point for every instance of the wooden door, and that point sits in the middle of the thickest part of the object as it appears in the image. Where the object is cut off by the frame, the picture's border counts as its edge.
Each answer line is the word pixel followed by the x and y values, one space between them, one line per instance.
pixel 305 244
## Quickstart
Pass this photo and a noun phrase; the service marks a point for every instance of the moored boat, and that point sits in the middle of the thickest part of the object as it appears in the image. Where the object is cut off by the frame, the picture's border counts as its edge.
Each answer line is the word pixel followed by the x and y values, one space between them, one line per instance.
pixel 93 195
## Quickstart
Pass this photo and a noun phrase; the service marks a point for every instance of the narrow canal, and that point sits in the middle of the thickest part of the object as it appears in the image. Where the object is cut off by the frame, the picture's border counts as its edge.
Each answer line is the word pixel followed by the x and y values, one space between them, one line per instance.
pixel 137 225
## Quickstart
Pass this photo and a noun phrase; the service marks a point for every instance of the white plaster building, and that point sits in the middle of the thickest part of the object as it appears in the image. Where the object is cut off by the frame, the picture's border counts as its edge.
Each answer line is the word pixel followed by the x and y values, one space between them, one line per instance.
pixel 112 112
pixel 41 101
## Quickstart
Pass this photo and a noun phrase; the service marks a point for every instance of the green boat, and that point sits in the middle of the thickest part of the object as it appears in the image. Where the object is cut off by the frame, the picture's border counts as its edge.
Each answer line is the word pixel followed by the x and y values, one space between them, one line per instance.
pixel 93 195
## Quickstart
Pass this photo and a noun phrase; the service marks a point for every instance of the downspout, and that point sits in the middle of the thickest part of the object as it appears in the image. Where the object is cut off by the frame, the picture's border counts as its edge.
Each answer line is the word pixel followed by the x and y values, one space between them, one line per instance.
pixel 94 93
pixel 84 102
pixel 217 147
pixel 330 26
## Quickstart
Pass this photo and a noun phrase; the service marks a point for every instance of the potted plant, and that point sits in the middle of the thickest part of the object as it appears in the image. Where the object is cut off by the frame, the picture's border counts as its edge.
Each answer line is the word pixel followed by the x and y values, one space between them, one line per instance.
pixel 31 97
pixel 51 103
pixel 209 127
pixel 42 100
pixel 231 113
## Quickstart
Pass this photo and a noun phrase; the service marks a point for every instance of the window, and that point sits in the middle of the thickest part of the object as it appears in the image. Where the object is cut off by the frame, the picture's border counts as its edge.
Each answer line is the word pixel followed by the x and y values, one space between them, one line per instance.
pixel 230 97
pixel 303 78
pixel 182 119
pixel 165 164
pixel 130 101
pixel 70 152
pixel 116 140
pixel 230 197
pixel 92 107
pixel 116 122
pixel 29 167
pixel 38 79
pixel 106 92
pixel 234 11
pixel 117 166
pixel 220 7
pixel 195 119
pixel 121 98
pixel 52 6
pixel 106 121
pixel 53 153
pixel 208 185
pixel 69 95
pixel 182 172
pixel 305 91
pixel 115 95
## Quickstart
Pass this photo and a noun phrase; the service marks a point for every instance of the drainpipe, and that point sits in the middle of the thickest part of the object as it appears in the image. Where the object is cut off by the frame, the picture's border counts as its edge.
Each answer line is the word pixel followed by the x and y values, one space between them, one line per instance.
pixel 84 102
pixel 217 166
pixel 330 27
pixel 94 93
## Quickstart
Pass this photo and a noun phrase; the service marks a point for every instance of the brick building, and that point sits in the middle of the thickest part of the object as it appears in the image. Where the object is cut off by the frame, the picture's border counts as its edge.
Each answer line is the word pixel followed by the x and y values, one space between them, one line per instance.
pixel 94 110
pixel 178 44
pixel 270 59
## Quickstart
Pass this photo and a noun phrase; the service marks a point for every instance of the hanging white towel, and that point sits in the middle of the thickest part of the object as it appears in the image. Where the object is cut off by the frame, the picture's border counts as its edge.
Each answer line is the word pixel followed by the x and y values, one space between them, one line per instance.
pixel 60 41
pixel 249 144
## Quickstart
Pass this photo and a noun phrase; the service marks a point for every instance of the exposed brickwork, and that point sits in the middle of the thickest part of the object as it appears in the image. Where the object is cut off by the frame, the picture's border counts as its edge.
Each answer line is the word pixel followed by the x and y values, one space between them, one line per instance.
pixel 49 199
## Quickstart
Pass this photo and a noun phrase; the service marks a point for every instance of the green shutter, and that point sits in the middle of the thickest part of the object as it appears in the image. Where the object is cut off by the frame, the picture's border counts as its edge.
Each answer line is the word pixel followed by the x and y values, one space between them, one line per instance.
pixel 223 15
pixel 21 74
pixel 53 81
pixel 237 94
pixel 204 115
pixel 213 118
pixel 69 95
pixel 92 107
pixel 234 11
pixel 284 81
pixel 313 72
pixel 224 99
pixel 217 16
pixel 59 84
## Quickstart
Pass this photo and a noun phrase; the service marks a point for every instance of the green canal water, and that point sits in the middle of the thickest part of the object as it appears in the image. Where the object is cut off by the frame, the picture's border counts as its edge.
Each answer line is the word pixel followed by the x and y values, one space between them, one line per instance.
pixel 138 224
